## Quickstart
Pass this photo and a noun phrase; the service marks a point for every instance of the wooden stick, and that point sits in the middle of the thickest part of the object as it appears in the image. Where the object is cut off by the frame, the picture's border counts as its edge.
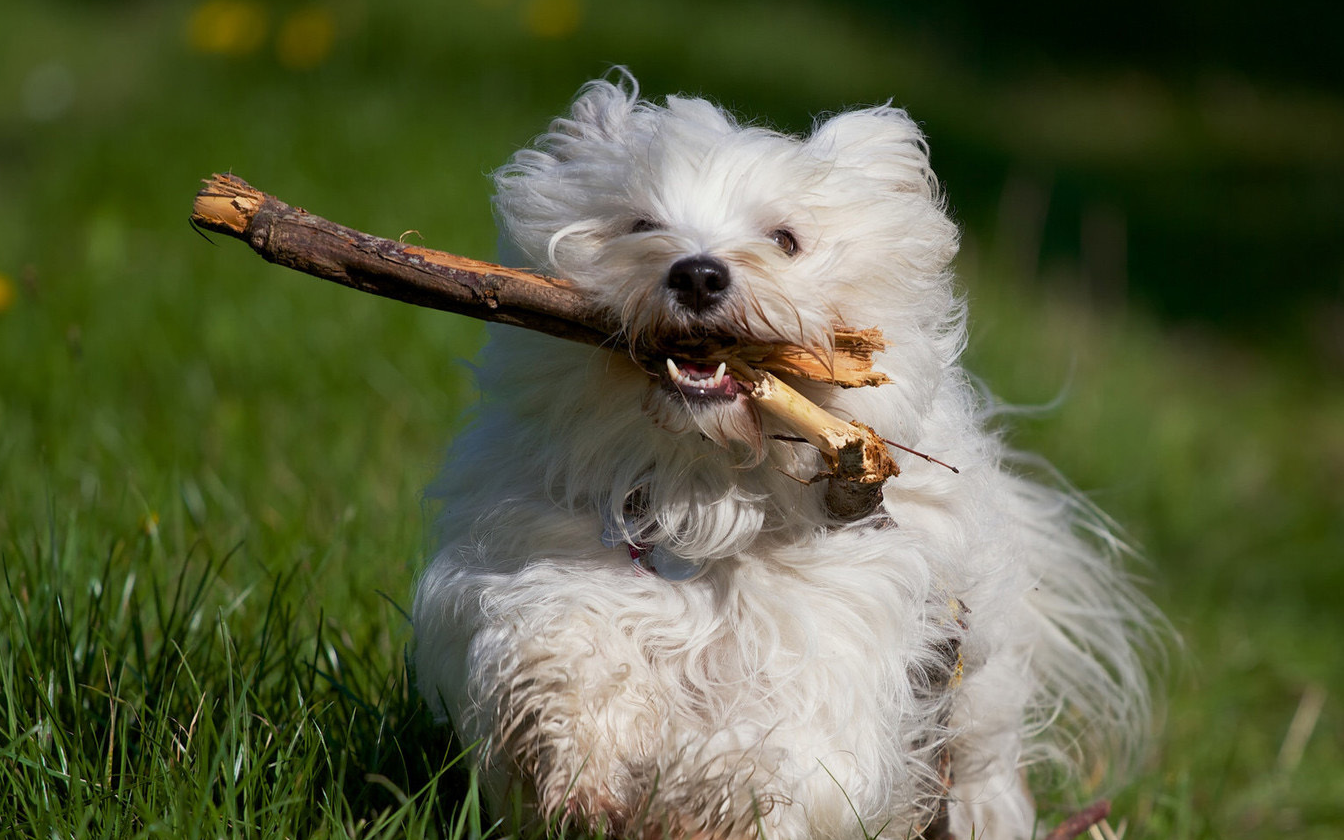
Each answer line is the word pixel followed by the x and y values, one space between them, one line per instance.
pixel 856 457
pixel 293 237
pixel 1075 824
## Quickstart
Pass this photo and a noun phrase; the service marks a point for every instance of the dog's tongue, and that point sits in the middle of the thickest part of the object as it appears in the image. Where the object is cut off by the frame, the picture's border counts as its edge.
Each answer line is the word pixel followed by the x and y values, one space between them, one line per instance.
pixel 698 371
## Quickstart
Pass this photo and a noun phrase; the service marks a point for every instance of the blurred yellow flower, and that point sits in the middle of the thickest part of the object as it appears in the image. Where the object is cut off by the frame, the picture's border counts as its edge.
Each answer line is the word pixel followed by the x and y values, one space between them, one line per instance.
pixel 227 27
pixel 552 18
pixel 305 38
pixel 7 293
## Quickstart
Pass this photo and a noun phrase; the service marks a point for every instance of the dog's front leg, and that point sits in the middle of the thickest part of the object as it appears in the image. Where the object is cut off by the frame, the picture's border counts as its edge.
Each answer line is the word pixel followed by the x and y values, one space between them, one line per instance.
pixel 561 681
pixel 573 714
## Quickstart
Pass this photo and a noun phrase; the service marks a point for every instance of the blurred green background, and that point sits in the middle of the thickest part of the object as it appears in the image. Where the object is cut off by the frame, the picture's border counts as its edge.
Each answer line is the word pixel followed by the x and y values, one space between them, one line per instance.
pixel 1153 201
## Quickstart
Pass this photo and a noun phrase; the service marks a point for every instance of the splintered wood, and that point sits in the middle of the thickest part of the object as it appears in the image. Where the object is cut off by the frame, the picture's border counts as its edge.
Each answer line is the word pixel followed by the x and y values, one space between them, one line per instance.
pixel 857 459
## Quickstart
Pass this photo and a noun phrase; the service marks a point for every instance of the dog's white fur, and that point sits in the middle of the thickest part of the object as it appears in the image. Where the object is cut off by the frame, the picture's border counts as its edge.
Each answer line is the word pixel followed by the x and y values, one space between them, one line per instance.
pixel 799 687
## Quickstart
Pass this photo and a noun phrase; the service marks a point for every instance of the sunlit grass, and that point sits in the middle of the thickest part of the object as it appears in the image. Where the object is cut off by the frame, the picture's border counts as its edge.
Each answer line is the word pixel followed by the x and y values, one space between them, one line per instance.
pixel 147 694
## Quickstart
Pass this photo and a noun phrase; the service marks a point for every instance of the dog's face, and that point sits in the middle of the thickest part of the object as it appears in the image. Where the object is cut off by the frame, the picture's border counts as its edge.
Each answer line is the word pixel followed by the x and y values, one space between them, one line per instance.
pixel 684 223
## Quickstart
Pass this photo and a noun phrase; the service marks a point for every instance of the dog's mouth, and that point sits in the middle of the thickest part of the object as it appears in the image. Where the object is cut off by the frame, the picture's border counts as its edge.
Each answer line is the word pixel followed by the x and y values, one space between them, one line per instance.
pixel 700 382
pixel 702 396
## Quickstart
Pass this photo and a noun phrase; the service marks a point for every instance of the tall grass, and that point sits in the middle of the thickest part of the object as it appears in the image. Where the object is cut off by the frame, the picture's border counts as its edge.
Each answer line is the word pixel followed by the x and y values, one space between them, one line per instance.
pixel 144 695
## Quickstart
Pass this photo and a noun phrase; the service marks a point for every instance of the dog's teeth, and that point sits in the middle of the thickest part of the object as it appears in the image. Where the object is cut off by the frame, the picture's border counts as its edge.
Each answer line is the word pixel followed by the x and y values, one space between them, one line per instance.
pixel 672 370
pixel 718 374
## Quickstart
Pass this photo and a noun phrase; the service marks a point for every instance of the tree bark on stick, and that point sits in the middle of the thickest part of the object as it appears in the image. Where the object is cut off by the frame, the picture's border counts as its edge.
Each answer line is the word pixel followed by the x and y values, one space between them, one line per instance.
pixel 857 459
pixel 293 237
pixel 1075 824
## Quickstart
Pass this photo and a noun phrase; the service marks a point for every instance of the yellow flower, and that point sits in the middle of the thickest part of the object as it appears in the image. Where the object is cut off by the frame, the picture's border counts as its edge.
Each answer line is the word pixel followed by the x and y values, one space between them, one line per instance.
pixel 552 18
pixel 305 38
pixel 227 27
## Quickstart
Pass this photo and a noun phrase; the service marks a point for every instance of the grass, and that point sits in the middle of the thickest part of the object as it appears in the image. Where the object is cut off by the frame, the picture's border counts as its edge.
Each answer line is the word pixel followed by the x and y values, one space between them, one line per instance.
pixel 210 468
pixel 132 707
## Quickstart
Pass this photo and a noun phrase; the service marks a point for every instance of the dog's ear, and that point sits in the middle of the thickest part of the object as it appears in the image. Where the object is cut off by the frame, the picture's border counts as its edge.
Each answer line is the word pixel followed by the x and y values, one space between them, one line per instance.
pixel 702 113
pixel 600 113
pixel 883 142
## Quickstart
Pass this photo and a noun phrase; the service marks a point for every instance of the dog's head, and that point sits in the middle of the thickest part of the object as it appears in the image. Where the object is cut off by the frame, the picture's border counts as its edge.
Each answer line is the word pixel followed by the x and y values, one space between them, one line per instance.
pixel 685 223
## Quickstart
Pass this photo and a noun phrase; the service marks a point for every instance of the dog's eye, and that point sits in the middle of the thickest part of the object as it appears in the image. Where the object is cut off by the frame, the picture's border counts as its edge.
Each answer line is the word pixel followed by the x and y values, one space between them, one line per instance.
pixel 786 241
pixel 644 226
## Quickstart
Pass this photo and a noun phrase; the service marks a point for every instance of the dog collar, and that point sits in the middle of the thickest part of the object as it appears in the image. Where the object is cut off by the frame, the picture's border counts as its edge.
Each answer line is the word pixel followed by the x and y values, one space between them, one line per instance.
pixel 649 558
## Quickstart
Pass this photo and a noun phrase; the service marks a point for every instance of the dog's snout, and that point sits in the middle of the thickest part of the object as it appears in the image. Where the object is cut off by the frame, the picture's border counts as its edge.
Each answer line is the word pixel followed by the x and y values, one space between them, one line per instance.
pixel 698 283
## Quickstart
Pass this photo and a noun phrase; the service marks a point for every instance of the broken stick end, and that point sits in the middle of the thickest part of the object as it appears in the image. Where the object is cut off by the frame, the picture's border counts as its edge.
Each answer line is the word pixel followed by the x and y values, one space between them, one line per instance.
pixel 226 204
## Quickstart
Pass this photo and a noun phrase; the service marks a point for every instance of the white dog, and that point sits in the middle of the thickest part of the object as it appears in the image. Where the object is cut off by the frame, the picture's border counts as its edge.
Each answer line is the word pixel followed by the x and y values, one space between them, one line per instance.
pixel 642 618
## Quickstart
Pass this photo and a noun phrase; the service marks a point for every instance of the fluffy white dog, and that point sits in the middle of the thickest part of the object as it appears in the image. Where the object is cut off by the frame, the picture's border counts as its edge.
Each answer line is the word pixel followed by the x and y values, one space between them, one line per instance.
pixel 642 617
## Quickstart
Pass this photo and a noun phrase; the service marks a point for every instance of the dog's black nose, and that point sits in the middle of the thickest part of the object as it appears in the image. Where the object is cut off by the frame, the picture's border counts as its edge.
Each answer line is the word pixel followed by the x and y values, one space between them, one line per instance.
pixel 698 282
